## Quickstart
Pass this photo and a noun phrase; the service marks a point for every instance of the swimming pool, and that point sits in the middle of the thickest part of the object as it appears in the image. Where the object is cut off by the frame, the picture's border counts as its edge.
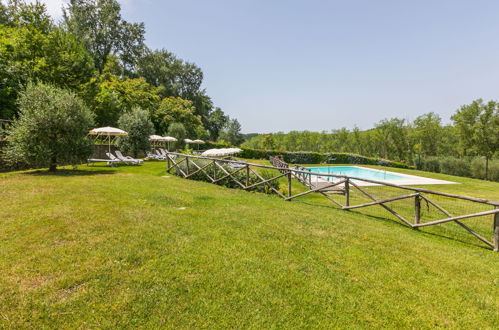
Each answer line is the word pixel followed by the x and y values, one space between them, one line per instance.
pixel 371 174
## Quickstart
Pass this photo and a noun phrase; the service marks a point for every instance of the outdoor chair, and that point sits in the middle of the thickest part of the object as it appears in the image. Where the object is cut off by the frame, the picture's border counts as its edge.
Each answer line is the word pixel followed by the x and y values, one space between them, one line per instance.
pixel 150 155
pixel 115 159
pixel 109 161
pixel 128 159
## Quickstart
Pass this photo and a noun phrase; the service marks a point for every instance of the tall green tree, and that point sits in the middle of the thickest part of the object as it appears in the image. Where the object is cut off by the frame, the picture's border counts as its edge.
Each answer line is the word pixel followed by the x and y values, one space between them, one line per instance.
pixel 110 97
pixel 231 133
pixel 177 110
pixel 28 54
pixel 51 129
pixel 478 127
pixel 98 23
pixel 216 122
pixel 175 77
pixel 428 132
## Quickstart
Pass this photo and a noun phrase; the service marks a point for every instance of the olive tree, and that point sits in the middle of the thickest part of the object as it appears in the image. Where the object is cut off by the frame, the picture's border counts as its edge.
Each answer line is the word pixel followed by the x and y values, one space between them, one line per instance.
pixel 51 129
pixel 139 126
pixel 178 131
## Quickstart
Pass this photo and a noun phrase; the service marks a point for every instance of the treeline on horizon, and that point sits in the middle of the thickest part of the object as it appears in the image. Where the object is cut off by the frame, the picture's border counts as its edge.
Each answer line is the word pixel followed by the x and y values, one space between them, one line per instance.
pixel 101 57
pixel 474 132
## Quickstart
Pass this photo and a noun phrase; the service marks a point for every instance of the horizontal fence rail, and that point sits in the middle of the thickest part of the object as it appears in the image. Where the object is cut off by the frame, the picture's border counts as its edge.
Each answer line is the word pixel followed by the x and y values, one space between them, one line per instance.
pixel 357 193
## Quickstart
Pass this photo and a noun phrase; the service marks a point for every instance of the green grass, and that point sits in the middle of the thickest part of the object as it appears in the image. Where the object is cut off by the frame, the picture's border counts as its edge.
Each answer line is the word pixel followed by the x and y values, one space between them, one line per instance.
pixel 114 248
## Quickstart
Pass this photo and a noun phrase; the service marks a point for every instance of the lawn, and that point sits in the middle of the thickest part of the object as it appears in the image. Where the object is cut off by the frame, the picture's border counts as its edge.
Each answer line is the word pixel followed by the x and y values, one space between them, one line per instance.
pixel 133 247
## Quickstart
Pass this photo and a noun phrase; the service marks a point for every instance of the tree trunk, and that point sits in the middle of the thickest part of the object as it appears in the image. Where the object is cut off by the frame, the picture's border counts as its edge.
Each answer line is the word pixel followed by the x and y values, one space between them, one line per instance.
pixel 486 167
pixel 53 165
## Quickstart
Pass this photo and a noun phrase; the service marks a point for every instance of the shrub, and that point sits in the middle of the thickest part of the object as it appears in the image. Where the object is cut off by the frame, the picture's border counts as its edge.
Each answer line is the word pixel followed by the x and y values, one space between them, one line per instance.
pixel 51 130
pixel 455 166
pixel 478 169
pixel 139 127
pixel 228 182
pixel 431 164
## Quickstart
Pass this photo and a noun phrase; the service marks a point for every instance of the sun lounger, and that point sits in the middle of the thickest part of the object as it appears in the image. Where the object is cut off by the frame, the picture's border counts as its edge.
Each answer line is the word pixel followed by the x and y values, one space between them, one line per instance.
pixel 115 159
pixel 109 162
pixel 151 155
pixel 128 159
pixel 160 155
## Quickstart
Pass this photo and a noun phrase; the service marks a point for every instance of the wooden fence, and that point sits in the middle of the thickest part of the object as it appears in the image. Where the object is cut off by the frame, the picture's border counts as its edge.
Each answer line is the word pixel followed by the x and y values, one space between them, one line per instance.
pixel 327 185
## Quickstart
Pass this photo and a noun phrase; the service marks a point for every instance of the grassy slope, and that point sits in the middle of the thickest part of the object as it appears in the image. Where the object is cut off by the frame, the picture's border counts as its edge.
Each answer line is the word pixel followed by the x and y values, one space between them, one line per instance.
pixel 114 249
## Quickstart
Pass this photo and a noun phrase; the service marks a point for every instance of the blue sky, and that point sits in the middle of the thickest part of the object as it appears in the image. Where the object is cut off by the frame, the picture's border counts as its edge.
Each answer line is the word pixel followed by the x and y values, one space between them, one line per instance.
pixel 321 65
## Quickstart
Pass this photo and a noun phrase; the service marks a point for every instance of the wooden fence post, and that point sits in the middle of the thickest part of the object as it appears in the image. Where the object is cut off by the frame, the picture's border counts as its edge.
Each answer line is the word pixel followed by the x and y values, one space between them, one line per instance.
pixel 289 183
pixel 347 192
pixel 247 176
pixel 187 164
pixel 168 163
pixel 496 231
pixel 417 209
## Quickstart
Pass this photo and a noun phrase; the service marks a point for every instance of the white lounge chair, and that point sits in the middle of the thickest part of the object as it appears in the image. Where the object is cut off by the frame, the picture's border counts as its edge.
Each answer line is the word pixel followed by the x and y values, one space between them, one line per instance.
pixel 109 162
pixel 159 154
pixel 128 159
pixel 151 155
pixel 115 159
pixel 163 152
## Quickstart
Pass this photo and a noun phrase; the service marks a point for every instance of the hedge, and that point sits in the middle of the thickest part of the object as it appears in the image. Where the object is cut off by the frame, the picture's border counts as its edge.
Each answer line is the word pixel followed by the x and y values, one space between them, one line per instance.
pixel 466 167
pixel 311 157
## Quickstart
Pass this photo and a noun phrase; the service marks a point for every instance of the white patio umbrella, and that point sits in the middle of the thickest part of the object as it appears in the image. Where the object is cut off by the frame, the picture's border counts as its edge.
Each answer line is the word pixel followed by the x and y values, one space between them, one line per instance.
pixel 198 142
pixel 188 141
pixel 155 138
pixel 221 152
pixel 107 131
pixel 169 139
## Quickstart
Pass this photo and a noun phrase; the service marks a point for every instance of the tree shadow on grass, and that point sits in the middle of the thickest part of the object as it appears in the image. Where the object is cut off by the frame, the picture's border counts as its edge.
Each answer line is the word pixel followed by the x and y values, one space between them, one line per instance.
pixel 69 172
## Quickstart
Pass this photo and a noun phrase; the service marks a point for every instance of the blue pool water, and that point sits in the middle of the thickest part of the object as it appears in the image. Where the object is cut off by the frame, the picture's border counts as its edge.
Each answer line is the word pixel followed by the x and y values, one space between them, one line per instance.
pixel 357 172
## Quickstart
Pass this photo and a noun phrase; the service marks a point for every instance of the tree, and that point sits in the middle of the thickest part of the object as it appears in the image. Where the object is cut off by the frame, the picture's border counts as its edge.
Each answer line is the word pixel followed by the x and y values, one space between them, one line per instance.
pixel 268 142
pixel 178 131
pixel 427 132
pixel 47 55
pixel 21 14
pixel 138 125
pixel 176 77
pixel 51 130
pixel 99 25
pixel 391 138
pixel 110 97
pixel 176 110
pixel 478 127
pixel 232 133
pixel 216 121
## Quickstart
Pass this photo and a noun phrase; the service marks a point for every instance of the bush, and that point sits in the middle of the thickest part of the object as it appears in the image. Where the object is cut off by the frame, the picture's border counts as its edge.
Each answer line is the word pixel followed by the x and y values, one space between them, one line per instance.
pixel 478 169
pixel 51 130
pixel 431 164
pixel 228 182
pixel 455 166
